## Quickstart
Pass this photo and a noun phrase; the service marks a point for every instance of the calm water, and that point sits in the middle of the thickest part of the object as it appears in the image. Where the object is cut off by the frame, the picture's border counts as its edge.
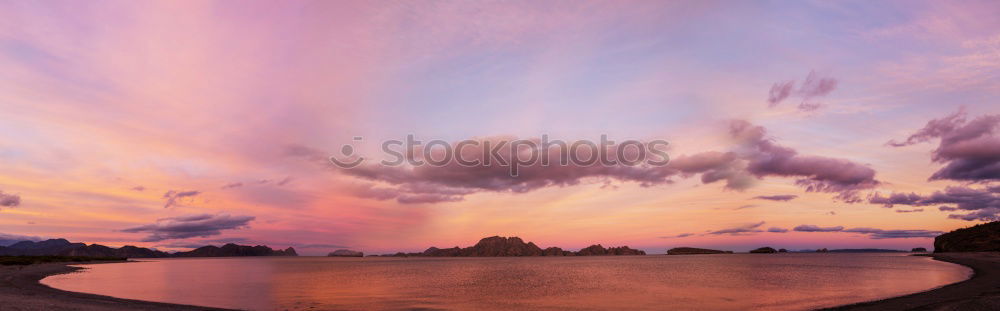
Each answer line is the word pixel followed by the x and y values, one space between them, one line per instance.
pixel 741 281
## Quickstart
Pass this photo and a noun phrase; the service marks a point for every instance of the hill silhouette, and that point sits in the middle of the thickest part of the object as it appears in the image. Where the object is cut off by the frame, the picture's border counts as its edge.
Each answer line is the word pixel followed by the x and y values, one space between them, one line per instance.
pixel 497 246
pixel 63 247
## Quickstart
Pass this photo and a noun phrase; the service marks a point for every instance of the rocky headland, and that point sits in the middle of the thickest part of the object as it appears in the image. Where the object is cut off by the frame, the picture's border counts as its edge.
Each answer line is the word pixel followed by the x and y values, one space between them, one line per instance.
pixel 978 238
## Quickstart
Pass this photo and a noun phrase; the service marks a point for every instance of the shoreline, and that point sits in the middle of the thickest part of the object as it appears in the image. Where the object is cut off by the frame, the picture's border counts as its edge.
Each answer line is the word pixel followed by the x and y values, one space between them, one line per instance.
pixel 21 289
pixel 980 292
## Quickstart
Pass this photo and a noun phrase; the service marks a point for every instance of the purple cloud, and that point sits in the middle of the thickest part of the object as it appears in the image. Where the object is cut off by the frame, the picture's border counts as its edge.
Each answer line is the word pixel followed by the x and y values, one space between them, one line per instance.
pixel 986 214
pixel 873 233
pixel 682 235
pixel 713 166
pixel 895 198
pixel 969 150
pixel 232 185
pixel 755 158
pixel 175 197
pixel 815 173
pixel 894 234
pixel 740 230
pixel 9 200
pixel 189 226
pixel 780 197
pixel 779 92
pixel 984 204
pixel 758 157
pixel 410 193
pixel 452 181
pixel 454 178
pixel 814 86
pixel 809 106
pixel 777 230
pixel 814 228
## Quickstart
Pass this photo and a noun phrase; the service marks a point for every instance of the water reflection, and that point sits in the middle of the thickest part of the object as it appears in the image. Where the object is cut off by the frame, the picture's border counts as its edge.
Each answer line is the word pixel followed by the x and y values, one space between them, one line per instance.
pixel 721 282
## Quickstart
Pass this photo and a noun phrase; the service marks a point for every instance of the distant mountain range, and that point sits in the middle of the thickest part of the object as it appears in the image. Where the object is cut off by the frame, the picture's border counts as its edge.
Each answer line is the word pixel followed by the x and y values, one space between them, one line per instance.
pixel 497 246
pixel 62 247
pixel 867 250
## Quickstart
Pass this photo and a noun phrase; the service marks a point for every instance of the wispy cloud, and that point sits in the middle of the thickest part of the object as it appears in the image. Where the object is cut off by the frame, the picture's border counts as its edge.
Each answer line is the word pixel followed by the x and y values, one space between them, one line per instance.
pixel 9 200
pixel 814 228
pixel 969 150
pixel 682 235
pixel 175 197
pixel 232 185
pixel 740 230
pixel 873 232
pixel 814 86
pixel 982 204
pixel 190 226
pixel 779 197
pixel 895 234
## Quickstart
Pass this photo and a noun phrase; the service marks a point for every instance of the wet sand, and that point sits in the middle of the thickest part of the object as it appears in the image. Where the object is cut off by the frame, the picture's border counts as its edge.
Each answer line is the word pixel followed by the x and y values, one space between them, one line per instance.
pixel 981 292
pixel 20 290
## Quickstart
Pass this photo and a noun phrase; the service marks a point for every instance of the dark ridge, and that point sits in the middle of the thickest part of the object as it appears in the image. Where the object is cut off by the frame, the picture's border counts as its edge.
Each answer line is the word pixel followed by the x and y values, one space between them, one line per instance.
pixel 497 246
pixel 233 250
pixel 62 247
pixel 694 251
pixel 979 238
pixel 28 260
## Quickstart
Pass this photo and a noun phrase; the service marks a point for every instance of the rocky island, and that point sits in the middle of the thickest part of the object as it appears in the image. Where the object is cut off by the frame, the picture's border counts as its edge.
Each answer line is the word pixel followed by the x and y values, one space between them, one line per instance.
pixel 497 246
pixel 764 250
pixel 345 253
pixel 694 251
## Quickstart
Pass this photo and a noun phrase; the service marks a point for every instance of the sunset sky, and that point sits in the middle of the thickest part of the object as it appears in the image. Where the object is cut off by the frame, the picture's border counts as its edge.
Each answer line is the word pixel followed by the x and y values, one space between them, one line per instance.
pixel 792 124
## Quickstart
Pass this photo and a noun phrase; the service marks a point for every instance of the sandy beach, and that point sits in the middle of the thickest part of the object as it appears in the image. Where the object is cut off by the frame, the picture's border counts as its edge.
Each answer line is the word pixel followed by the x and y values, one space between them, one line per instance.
pixel 20 290
pixel 981 292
